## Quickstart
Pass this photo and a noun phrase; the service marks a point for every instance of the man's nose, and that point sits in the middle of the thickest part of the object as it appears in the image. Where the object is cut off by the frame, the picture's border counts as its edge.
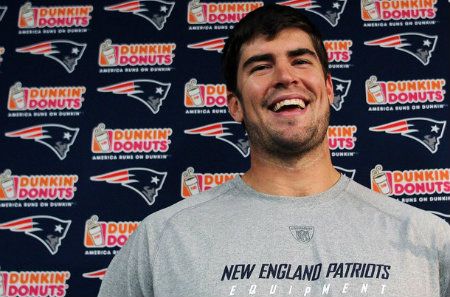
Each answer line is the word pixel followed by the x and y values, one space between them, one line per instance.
pixel 284 75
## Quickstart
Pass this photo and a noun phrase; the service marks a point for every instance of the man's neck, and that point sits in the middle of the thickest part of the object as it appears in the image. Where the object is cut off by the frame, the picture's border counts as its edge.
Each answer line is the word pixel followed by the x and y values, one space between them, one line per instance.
pixel 310 174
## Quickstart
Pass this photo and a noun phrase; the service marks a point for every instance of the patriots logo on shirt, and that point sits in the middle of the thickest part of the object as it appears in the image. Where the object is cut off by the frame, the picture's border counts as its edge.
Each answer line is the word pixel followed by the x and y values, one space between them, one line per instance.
pixel 146 182
pixel 95 274
pixel 148 91
pixel 303 234
pixel 329 10
pixel 230 132
pixel 341 88
pixel 57 137
pixel 65 52
pixel 419 45
pixel 427 132
pixel 215 44
pixel 3 10
pixel 347 172
pixel 155 11
pixel 50 231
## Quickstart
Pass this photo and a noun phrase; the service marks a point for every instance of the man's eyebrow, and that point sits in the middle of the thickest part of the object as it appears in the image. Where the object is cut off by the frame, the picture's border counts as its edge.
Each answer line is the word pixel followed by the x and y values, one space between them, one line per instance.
pixel 301 52
pixel 257 58
pixel 269 57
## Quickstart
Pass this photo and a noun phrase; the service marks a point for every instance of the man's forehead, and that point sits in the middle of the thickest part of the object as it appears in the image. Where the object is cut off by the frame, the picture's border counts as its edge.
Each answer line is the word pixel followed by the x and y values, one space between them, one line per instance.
pixel 256 45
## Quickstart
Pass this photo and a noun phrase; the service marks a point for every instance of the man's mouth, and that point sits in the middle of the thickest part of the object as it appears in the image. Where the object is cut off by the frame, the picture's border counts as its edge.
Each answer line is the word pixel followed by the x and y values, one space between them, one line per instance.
pixel 288 104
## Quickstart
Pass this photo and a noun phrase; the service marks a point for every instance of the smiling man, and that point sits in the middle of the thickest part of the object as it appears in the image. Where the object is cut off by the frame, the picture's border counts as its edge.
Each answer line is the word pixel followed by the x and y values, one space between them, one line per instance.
pixel 291 225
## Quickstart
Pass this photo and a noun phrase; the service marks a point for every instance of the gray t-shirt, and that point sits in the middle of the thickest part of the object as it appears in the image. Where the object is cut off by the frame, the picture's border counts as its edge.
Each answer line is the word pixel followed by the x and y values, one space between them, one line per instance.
pixel 234 241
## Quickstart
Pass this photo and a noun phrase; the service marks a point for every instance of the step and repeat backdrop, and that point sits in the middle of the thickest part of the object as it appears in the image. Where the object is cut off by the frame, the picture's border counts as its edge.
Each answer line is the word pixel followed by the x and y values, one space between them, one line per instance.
pixel 112 110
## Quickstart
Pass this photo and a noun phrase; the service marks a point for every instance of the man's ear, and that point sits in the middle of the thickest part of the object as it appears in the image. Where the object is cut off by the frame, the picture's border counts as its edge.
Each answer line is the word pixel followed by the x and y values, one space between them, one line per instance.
pixel 235 107
pixel 329 87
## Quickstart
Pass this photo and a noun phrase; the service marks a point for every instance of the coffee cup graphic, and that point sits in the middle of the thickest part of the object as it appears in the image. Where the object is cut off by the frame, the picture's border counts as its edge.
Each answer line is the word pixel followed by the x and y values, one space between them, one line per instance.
pixel 190 180
pixel 7 184
pixel 371 8
pixel 28 14
pixel 95 231
pixel 102 138
pixel 18 95
pixel 108 52
pixel 374 88
pixel 380 178
pixel 197 11
pixel 194 93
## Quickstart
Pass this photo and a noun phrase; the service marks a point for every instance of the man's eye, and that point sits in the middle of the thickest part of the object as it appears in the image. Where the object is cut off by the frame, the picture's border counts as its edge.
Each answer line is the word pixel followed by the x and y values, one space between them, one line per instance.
pixel 259 68
pixel 300 62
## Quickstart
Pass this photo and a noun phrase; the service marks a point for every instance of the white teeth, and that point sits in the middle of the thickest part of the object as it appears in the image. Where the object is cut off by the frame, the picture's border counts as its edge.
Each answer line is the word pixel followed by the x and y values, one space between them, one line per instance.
pixel 296 102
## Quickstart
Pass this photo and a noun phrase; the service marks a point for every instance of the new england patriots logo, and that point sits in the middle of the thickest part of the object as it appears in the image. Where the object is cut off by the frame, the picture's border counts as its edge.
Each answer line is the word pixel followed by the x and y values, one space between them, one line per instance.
pixel 65 52
pixel 215 44
pixel 427 132
pixel 2 12
pixel 341 88
pixel 230 132
pixel 96 274
pixel 329 10
pixel 419 45
pixel 146 182
pixel 57 137
pixel 150 92
pixel 155 11
pixel 347 172
pixel 50 231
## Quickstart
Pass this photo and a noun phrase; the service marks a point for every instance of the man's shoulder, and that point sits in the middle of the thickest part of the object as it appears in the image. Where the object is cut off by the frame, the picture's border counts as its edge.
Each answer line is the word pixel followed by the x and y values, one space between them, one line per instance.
pixel 193 206
pixel 395 209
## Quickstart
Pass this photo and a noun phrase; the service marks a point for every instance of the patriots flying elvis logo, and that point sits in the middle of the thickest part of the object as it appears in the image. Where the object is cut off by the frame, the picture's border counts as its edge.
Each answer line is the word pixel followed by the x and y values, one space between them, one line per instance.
pixel 341 88
pixel 215 44
pixel 50 231
pixel 3 10
pixel 65 52
pixel 329 10
pixel 148 91
pixel 231 132
pixel 350 173
pixel 419 45
pixel 57 137
pixel 146 182
pixel 96 274
pixel 427 132
pixel 154 11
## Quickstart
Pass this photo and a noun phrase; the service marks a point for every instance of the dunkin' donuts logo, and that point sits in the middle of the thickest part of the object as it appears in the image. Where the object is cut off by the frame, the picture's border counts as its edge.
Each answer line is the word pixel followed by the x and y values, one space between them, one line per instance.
pixel 404 92
pixel 45 98
pixel 34 283
pixel 37 187
pixel 194 182
pixel 98 234
pixel 338 50
pixel 130 140
pixel 410 182
pixel 342 137
pixel 54 16
pixel 204 95
pixel 386 10
pixel 222 13
pixel 148 54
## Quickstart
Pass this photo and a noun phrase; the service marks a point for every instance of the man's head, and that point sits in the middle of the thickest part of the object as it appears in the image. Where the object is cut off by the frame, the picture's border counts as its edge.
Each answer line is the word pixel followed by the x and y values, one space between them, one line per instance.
pixel 278 84
pixel 268 20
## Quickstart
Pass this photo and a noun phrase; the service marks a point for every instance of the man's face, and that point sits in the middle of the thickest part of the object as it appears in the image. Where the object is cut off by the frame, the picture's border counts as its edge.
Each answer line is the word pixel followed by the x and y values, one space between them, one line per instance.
pixel 284 97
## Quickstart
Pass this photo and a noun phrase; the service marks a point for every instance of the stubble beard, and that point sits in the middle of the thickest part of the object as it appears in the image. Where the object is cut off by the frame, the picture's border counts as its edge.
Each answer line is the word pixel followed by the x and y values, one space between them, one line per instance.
pixel 273 144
